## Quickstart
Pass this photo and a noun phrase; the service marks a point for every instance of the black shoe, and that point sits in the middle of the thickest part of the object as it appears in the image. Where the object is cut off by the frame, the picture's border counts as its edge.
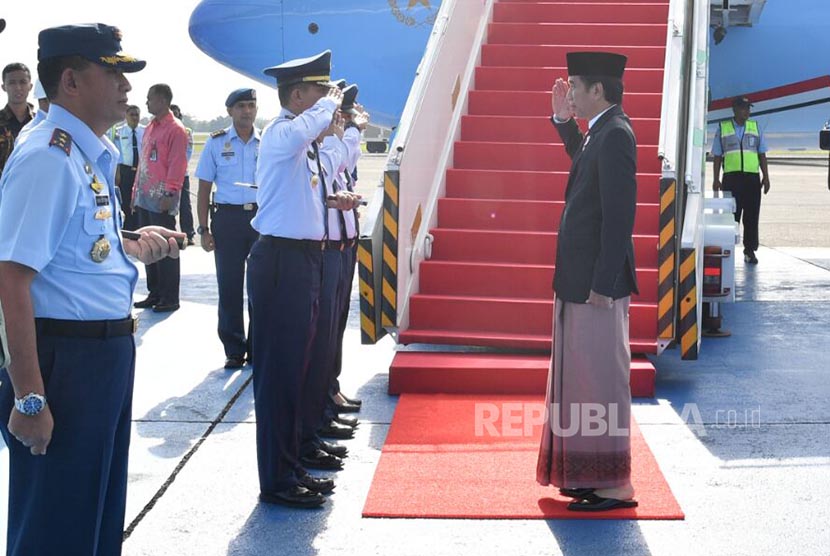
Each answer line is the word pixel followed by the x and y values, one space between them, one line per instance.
pixel 320 485
pixel 190 240
pixel 165 307
pixel 319 459
pixel 346 407
pixel 750 258
pixel 296 497
pixel 348 421
pixel 146 303
pixel 336 430
pixel 593 503
pixel 576 492
pixel 334 449
pixel 352 401
pixel 235 362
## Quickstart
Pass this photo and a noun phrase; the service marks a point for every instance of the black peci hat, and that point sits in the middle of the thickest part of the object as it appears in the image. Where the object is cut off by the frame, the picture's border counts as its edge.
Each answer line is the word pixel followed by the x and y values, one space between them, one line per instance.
pixel 605 64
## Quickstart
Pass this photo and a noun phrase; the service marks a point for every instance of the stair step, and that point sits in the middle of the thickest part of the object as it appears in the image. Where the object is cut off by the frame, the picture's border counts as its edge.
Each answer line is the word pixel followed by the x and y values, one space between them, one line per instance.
pixel 507 280
pixel 537 103
pixel 507 315
pixel 499 340
pixel 537 216
pixel 599 34
pixel 468 183
pixel 535 248
pixel 579 12
pixel 533 156
pixel 488 373
pixel 506 78
pixel 536 129
pixel 542 55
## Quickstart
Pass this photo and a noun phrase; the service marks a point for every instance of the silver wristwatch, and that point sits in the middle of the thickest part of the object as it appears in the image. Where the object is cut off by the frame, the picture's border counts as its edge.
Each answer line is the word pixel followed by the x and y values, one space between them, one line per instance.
pixel 31 404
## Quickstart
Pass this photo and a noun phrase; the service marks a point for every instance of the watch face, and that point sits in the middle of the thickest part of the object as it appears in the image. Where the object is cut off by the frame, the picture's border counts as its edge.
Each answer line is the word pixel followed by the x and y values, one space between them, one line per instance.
pixel 32 405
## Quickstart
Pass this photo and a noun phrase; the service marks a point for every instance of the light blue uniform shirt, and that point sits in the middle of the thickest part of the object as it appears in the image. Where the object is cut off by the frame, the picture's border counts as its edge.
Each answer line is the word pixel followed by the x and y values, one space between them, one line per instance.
pixel 717 147
pixel 290 201
pixel 48 222
pixel 351 142
pixel 226 160
pixel 333 155
pixel 123 138
pixel 39 117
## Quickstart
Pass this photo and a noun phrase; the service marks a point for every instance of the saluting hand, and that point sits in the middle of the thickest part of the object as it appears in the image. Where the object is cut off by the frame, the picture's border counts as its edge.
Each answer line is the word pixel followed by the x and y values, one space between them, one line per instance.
pixel 336 95
pixel 559 100
pixel 156 243
pixel 361 119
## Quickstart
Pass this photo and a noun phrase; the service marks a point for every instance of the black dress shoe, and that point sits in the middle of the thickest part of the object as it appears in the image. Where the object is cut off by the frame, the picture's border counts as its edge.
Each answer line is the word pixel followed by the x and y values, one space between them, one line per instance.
pixel 296 497
pixel 593 503
pixel 576 492
pixel 165 307
pixel 334 449
pixel 353 401
pixel 348 421
pixel 146 303
pixel 235 362
pixel 346 407
pixel 320 485
pixel 336 430
pixel 319 459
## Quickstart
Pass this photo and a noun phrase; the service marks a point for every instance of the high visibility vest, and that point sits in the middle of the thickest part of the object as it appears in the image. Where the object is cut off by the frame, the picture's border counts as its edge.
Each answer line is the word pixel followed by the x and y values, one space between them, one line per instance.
pixel 740 155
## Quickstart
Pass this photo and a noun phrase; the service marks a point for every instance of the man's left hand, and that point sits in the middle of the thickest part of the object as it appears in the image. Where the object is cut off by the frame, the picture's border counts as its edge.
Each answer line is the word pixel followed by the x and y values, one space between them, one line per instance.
pixel 765 183
pixel 156 243
pixel 600 300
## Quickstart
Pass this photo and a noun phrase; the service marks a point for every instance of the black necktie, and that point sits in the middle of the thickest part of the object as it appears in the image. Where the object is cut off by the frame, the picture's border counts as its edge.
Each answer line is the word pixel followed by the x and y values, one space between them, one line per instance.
pixel 322 185
pixel 135 150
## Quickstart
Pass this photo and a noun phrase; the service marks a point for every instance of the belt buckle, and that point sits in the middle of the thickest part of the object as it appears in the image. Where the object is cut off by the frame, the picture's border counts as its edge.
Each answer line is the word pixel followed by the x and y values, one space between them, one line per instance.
pixel 248 206
pixel 135 325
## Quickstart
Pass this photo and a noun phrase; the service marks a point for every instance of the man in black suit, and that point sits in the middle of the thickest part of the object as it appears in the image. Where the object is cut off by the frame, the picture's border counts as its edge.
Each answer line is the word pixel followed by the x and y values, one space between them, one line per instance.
pixel 593 281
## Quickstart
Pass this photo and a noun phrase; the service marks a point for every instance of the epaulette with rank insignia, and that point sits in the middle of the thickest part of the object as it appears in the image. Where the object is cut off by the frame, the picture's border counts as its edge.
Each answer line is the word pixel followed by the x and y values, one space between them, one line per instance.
pixel 62 140
pixel 218 133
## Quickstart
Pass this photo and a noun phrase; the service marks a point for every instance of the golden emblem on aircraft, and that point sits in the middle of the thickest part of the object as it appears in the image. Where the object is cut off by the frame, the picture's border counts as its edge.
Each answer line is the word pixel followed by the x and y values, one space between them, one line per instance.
pixel 415 14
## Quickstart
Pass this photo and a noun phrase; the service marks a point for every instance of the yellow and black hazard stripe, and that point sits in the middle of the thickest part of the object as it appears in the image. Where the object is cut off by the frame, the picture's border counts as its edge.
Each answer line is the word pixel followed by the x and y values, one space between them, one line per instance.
pixel 389 287
pixel 687 321
pixel 369 333
pixel 666 271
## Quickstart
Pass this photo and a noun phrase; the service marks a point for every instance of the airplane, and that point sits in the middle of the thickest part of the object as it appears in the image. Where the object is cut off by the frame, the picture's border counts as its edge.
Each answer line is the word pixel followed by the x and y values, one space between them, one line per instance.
pixel 757 49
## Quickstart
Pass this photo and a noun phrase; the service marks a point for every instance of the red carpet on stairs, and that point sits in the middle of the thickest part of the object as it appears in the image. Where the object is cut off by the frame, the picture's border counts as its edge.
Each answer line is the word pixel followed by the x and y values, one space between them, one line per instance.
pixel 435 465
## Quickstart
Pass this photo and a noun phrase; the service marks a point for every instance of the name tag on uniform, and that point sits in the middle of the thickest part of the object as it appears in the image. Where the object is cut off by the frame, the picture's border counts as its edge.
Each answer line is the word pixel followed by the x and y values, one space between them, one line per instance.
pixel 154 155
pixel 228 154
pixel 102 200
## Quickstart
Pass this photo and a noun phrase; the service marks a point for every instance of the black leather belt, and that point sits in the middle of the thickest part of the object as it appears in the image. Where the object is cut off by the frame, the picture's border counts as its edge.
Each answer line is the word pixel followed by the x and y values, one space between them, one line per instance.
pixel 246 207
pixel 313 244
pixel 96 329
pixel 341 245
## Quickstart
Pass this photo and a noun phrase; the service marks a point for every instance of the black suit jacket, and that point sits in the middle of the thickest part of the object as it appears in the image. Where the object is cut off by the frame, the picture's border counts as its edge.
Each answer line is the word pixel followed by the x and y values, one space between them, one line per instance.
pixel 595 250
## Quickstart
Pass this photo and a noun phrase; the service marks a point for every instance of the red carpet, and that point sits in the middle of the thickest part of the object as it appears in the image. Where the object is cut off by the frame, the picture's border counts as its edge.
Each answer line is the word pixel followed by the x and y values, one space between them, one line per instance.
pixel 434 465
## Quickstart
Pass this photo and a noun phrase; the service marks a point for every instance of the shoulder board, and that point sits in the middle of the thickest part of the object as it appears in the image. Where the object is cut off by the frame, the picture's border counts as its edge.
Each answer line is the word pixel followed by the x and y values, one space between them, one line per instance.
pixel 62 140
pixel 218 133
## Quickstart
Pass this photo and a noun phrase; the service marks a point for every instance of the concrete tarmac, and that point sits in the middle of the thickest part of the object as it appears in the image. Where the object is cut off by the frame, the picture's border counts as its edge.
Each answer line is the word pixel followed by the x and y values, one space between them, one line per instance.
pixel 748 485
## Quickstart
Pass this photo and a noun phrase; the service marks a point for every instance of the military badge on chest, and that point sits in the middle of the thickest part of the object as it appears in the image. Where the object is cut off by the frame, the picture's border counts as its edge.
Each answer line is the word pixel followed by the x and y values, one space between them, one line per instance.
pixel 312 166
pixel 101 248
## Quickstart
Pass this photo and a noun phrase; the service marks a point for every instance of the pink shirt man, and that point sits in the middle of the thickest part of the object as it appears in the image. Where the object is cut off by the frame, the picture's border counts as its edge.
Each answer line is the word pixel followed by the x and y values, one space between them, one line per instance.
pixel 162 166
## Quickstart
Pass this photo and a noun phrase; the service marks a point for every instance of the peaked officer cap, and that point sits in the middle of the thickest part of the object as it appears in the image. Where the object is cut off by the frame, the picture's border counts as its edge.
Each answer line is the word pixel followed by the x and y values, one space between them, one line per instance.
pixel 95 42
pixel 349 98
pixel 239 95
pixel 604 64
pixel 314 69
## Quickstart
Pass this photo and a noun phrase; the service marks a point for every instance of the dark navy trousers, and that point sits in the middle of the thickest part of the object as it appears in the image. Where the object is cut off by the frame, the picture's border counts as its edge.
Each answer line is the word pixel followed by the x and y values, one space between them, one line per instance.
pixel 347 268
pixel 72 500
pixel 284 281
pixel 316 392
pixel 234 238
pixel 746 189
pixel 163 277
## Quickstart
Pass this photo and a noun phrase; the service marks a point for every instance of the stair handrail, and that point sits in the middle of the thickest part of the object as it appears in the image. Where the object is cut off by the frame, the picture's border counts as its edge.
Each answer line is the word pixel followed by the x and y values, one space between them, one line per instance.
pixel 673 91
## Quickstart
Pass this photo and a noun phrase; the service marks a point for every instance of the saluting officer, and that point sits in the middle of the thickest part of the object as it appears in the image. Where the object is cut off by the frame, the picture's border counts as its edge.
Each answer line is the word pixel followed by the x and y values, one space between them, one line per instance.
pixel 230 157
pixel 285 269
pixel 66 287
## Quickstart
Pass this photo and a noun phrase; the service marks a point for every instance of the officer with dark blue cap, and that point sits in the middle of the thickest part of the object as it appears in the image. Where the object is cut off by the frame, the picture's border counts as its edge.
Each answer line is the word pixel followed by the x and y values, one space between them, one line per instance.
pixel 230 157
pixel 285 269
pixel 66 288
